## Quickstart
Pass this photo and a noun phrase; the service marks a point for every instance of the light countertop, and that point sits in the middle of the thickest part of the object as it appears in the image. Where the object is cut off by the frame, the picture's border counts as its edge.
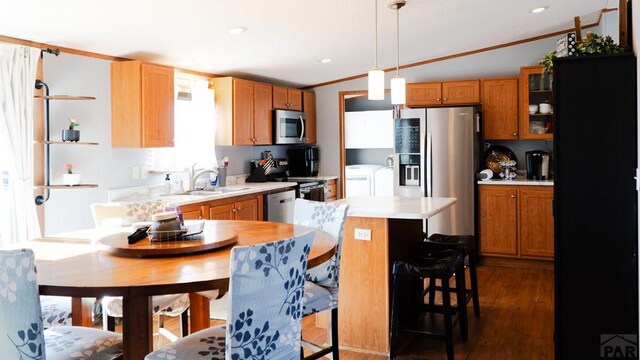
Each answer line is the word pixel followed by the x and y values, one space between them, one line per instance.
pixel 312 178
pixel 395 207
pixel 146 194
pixel 519 180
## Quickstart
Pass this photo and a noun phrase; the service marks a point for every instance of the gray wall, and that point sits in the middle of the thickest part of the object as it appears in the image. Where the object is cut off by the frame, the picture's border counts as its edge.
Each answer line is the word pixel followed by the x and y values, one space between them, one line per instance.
pixel 505 62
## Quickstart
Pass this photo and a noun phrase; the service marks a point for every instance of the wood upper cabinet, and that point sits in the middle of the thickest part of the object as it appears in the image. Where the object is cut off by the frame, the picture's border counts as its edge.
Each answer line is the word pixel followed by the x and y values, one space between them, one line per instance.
pixel 287 98
pixel 536 221
pixel 516 221
pixel 141 105
pixel 500 109
pixel 498 216
pixel 424 94
pixel 309 107
pixel 535 89
pixel 443 93
pixel 243 112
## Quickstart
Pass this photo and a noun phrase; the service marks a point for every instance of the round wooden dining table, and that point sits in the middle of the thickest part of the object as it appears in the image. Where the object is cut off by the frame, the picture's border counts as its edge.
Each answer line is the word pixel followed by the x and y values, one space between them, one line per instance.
pixel 80 269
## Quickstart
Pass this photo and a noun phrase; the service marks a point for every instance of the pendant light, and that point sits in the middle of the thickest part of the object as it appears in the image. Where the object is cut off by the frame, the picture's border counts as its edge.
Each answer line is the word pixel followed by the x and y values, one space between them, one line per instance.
pixel 376 76
pixel 398 84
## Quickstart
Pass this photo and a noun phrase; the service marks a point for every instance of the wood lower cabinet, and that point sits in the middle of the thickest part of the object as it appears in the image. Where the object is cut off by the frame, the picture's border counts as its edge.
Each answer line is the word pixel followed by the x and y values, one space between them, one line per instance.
pixel 498 219
pixel 248 207
pixel 332 190
pixel 241 210
pixel 192 212
pixel 443 93
pixel 222 212
pixel 141 105
pixel 536 221
pixel 516 221
pixel 500 109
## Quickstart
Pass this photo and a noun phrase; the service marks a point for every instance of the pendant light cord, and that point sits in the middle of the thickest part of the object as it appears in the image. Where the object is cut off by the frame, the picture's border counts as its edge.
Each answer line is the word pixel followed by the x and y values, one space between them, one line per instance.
pixel 398 41
pixel 375 64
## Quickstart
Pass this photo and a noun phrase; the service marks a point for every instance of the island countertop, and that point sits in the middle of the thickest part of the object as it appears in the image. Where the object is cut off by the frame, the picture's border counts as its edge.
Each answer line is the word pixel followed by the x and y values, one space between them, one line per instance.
pixel 395 207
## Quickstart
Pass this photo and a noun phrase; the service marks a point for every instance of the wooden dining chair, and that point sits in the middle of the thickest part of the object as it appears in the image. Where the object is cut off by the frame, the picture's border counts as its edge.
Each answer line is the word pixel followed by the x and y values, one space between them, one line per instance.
pixel 265 307
pixel 21 328
pixel 117 215
pixel 321 287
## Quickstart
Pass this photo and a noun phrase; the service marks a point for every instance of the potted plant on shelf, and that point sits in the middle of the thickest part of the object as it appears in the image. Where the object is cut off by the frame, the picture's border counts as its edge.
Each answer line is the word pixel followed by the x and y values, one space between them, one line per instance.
pixel 71 134
pixel 594 44
pixel 70 178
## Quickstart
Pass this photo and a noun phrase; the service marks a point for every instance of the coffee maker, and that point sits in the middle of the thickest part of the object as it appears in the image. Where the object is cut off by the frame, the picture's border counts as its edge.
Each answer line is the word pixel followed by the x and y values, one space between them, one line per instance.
pixel 537 165
pixel 303 160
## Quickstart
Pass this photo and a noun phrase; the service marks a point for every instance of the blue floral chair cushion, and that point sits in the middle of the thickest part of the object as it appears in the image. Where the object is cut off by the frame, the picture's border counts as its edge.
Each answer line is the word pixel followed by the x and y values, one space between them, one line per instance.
pixel 321 289
pixel 21 328
pixel 56 310
pixel 265 311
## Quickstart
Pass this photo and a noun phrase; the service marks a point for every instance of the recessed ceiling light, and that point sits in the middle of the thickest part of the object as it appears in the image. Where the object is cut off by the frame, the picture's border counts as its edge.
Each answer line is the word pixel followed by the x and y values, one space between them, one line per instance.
pixel 237 30
pixel 539 9
pixel 326 60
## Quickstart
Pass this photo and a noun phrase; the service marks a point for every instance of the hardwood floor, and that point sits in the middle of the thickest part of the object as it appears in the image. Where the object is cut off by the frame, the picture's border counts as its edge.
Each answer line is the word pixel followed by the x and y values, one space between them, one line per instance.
pixel 516 321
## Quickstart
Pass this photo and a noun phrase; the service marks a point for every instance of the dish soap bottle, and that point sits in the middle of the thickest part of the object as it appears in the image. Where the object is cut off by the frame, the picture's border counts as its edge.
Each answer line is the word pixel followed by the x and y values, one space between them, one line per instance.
pixel 167 184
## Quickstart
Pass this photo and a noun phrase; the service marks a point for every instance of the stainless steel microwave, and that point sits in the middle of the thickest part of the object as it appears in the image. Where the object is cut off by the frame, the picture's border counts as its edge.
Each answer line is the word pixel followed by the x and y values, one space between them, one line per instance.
pixel 289 127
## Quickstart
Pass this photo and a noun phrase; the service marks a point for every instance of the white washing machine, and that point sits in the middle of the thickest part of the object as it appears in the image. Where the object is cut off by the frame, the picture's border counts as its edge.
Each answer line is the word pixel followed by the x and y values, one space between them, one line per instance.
pixel 360 179
pixel 383 182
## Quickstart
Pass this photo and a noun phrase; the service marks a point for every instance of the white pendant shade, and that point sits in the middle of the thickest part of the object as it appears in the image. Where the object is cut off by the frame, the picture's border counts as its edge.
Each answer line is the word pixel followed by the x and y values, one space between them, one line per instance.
pixel 376 84
pixel 398 91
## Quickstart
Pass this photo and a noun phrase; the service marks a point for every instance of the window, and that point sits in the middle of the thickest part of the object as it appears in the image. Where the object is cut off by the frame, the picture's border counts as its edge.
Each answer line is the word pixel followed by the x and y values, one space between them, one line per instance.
pixel 194 127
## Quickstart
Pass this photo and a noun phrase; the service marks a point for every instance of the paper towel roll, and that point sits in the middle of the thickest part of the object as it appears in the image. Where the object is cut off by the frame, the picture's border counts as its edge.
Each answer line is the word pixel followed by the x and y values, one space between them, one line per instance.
pixel 485 174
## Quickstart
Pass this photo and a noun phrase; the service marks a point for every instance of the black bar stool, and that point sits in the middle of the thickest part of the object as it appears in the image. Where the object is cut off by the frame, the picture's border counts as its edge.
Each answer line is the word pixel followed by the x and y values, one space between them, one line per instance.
pixel 465 243
pixel 419 267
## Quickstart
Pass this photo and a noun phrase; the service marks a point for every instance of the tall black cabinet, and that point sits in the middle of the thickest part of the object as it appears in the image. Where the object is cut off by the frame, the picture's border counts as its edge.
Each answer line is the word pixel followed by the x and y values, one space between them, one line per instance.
pixel 596 219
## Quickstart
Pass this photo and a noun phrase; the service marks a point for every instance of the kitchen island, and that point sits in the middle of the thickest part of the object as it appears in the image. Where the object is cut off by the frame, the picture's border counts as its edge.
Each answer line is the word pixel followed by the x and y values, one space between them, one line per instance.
pixel 379 230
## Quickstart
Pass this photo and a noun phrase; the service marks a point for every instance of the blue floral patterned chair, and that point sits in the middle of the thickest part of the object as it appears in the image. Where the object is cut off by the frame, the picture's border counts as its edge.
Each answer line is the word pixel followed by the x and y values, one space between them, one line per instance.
pixel 321 287
pixel 116 215
pixel 265 307
pixel 21 328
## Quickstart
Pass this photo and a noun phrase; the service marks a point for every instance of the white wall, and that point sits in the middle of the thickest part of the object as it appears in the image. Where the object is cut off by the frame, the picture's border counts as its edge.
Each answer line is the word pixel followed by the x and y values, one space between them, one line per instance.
pixel 505 62
pixel 108 167
pixel 103 165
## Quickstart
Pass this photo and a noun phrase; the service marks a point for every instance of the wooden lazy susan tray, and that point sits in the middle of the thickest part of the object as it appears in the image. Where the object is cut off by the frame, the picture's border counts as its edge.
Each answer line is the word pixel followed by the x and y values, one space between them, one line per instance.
pixel 212 237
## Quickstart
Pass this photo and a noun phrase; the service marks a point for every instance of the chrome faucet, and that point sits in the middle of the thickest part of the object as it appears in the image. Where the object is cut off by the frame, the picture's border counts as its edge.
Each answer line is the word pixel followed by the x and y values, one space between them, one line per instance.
pixel 194 175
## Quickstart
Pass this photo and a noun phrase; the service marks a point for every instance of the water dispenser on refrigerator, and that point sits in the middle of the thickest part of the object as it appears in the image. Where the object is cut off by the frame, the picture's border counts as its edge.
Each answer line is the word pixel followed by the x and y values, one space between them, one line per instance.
pixel 408 162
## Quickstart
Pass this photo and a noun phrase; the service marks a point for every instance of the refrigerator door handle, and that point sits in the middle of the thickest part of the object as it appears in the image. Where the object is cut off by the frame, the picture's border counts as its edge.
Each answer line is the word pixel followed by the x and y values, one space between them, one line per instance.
pixel 428 166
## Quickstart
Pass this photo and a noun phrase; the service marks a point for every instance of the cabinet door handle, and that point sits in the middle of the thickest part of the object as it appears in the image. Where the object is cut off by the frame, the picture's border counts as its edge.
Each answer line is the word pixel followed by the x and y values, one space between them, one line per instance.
pixel 445 99
pixel 438 99
pixel 238 209
pixel 515 134
pixel 513 196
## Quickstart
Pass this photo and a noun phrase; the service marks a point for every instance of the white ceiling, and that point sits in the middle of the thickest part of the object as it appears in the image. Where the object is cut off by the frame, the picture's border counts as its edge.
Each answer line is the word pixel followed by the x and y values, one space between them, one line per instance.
pixel 285 38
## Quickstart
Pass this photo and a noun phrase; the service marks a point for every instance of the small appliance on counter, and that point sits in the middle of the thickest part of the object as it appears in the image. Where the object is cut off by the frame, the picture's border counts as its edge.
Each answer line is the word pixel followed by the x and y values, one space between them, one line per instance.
pixel 537 165
pixel 268 169
pixel 303 160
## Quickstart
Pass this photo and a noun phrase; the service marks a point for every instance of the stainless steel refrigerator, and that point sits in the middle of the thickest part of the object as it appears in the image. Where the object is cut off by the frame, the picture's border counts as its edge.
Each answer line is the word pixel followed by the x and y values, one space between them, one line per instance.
pixel 437 154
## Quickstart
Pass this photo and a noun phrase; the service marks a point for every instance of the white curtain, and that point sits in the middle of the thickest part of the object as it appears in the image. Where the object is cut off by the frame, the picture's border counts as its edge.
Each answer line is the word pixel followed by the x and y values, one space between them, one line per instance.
pixel 18 217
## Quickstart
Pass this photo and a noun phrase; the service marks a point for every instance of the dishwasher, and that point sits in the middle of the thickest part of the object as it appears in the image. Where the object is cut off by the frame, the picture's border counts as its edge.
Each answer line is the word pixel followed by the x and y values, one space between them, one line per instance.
pixel 279 206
